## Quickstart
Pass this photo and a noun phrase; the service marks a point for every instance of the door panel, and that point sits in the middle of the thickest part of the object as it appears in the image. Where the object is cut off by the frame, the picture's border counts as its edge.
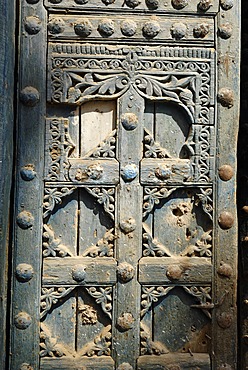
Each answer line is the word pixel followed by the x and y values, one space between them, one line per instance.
pixel 125 239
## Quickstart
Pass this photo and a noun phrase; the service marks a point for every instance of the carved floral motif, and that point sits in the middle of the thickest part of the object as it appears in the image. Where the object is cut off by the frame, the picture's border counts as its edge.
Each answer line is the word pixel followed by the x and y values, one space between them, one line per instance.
pixel 102 296
pixel 88 314
pixel 54 196
pixel 151 295
pixel 104 197
pixel 52 246
pixel 106 148
pixel 76 79
pixel 100 345
pixel 152 247
pixel 153 148
pixel 51 296
pixel 104 246
pixel 49 345
pixel 152 197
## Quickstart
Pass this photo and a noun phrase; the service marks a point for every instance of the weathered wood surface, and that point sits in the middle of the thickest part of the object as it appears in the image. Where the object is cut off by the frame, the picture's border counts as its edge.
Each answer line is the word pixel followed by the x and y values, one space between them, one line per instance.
pixel 7 89
pixel 77 363
pixel 182 361
pixel 97 271
pixel 154 270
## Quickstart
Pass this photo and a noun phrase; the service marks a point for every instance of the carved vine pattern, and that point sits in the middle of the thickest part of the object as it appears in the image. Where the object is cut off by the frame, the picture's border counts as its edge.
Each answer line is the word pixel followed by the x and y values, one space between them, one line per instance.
pixel 205 198
pixel 53 196
pixel 152 247
pixel 152 294
pixel 148 346
pixel 59 147
pixel 152 148
pixel 103 297
pixel 152 197
pixel 104 197
pixel 100 345
pixel 51 296
pixel 104 246
pixel 186 83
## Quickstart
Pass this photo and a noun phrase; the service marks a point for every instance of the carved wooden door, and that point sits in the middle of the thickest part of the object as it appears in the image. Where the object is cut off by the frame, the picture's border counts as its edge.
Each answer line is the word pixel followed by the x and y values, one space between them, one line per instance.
pixel 124 251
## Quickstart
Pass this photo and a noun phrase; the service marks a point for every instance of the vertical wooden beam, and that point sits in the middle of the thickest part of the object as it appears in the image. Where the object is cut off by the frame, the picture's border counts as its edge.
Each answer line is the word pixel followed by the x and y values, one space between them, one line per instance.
pixel 7 67
pixel 225 282
pixel 27 241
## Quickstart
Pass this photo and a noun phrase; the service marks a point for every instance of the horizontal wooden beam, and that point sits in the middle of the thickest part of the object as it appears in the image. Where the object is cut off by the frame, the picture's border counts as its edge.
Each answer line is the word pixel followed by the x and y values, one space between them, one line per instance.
pixel 184 361
pixel 65 363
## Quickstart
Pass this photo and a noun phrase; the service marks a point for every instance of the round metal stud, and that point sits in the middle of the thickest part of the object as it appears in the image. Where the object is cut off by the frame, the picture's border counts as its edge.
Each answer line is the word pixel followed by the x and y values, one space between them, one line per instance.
pixel 226 220
pixel 83 28
pixel 29 96
pixel 226 172
pixel 201 30
pixel 225 270
pixel 128 225
pixel 226 4
pixel 32 25
pixel 204 5
pixel 24 272
pixel 179 4
pixel 128 28
pixel 32 1
pixel 151 29
pixel 152 4
pixel 125 366
pixel 26 366
pixel 225 31
pixel 163 172
pixel 25 220
pixel 106 27
pixel 27 172
pixel 132 3
pixel 129 121
pixel 78 273
pixel 226 97
pixel 225 320
pixel 178 30
pixel 125 272
pixel 22 320
pixel 94 171
pixel 125 321
pixel 174 272
pixel 56 26
pixel 55 1
pixel 129 172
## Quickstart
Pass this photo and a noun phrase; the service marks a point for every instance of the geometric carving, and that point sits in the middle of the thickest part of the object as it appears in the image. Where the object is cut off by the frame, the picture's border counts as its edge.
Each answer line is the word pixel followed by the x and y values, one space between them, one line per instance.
pixel 59 147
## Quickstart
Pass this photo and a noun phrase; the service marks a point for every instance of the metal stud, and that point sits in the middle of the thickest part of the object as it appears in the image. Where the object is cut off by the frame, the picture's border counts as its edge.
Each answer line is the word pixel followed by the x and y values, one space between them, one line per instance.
pixel 29 96
pixel 225 270
pixel 225 319
pixel 226 172
pixel 226 97
pixel 25 220
pixel 56 26
pixel 106 27
pixel 83 28
pixel 151 29
pixel 178 30
pixel 125 366
pixel 22 320
pixel 24 272
pixel 179 4
pixel 129 172
pixel 129 120
pixel 201 30
pixel 226 220
pixel 78 273
pixel 125 321
pixel 128 28
pixel 26 366
pixel 32 25
pixel 174 272
pixel 152 4
pixel 27 172
pixel 128 225
pixel 226 4
pixel 225 30
pixel 132 3
pixel 125 272
pixel 204 5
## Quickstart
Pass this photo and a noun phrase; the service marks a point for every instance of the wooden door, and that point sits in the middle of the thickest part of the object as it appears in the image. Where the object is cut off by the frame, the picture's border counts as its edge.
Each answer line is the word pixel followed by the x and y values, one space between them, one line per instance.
pixel 124 252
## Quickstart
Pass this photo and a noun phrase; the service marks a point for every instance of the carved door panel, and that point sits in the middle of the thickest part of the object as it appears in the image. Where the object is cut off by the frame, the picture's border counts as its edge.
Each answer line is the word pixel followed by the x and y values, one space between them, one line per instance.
pixel 124 251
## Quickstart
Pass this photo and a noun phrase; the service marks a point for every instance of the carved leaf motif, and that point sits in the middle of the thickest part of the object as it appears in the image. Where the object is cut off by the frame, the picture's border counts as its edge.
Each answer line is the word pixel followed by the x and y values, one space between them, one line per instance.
pixel 52 245
pixel 148 346
pixel 104 246
pixel 153 148
pixel 49 345
pixel 103 296
pixel 53 196
pixel 205 198
pixel 106 148
pixel 152 294
pixel 104 197
pixel 151 246
pixel 152 197
pixel 100 346
pixel 51 296
pixel 202 246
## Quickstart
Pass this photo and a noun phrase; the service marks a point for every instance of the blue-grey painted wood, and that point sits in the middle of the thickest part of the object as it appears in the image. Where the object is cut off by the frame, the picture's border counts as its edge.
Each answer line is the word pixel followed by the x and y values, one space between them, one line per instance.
pixel 7 64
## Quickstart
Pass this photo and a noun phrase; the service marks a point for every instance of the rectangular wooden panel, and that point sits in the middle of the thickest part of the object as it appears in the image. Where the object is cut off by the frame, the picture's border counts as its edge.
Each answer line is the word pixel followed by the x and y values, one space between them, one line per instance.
pixel 153 270
pixel 77 363
pixel 182 361
pixel 97 271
